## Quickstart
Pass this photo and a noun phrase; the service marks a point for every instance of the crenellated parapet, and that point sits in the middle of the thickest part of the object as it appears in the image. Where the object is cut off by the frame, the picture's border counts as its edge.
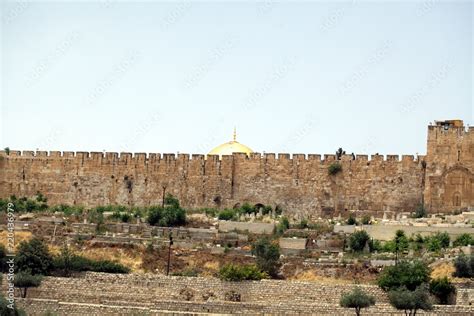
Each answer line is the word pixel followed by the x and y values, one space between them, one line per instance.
pixel 299 183
pixel 126 158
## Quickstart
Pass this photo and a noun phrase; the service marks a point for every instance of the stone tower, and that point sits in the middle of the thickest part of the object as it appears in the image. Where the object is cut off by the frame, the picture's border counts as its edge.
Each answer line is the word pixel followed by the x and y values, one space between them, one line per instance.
pixel 449 182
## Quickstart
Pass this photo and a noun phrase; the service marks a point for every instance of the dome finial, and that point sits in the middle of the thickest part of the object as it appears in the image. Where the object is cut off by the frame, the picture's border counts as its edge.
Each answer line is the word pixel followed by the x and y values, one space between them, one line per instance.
pixel 235 134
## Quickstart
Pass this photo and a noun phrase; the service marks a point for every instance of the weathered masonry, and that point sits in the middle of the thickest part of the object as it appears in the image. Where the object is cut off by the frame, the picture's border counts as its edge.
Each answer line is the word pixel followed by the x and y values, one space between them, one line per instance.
pixel 443 179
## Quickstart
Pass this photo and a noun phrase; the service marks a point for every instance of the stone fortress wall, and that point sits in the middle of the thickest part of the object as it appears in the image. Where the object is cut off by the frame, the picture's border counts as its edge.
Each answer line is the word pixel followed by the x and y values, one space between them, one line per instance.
pixel 300 184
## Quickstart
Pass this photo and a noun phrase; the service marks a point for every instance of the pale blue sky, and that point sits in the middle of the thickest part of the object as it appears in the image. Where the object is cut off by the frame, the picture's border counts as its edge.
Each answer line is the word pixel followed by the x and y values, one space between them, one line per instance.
pixel 297 77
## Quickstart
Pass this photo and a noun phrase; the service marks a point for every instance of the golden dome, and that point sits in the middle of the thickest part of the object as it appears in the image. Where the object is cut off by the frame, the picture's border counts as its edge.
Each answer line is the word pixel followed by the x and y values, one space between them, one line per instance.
pixel 231 147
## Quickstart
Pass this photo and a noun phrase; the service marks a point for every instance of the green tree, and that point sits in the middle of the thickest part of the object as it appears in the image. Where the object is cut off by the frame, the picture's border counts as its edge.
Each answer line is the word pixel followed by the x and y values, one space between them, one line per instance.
pixel 33 256
pixel 464 266
pixel 64 261
pixel 464 240
pixel 442 289
pixel 172 214
pixel 405 274
pixel 357 299
pixel 410 301
pixel 24 280
pixel 267 256
pixel 400 242
pixel 358 240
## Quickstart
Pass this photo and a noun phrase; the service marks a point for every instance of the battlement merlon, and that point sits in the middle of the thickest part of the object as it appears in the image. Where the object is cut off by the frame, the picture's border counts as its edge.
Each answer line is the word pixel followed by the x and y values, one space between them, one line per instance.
pixel 125 158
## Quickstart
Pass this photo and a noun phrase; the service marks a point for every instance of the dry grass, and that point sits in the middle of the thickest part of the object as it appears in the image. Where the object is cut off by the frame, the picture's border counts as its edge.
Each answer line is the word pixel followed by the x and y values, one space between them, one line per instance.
pixel 311 276
pixel 212 265
pixel 442 270
pixel 19 237
pixel 131 258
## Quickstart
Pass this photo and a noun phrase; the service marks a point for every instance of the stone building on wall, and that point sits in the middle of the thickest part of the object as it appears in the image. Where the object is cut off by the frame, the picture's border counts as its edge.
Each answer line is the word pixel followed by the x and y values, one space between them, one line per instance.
pixel 300 184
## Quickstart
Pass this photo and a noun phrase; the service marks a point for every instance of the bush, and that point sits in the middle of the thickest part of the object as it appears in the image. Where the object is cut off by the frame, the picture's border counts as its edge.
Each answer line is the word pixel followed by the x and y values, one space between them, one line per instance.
pixel 405 274
pixel 24 204
pixel 357 299
pixel 247 209
pixel 303 224
pixel 410 301
pixel 7 311
pixel 464 266
pixel 400 241
pixel 283 225
pixel 227 215
pixel 231 272
pixel 334 168
pixel 437 241
pixel 68 262
pixel 267 256
pixel 170 215
pixel 33 256
pixel 366 220
pixel 358 240
pixel 463 240
pixel 24 280
pixel 351 220
pixel 442 289
pixel 3 259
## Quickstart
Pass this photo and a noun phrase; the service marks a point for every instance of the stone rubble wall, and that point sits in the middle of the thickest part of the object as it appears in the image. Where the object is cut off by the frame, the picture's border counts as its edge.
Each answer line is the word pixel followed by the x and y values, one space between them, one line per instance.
pixel 386 232
pixel 101 293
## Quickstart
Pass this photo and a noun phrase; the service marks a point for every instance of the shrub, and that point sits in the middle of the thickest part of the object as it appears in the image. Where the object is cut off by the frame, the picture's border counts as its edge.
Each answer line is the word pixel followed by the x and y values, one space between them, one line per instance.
pixel 303 224
pixel 24 280
pixel 3 259
pixel 357 299
pixel 334 168
pixel 464 266
pixel 438 241
pixel 7 311
pixel 463 240
pixel 170 215
pixel 366 220
pixel 267 209
pixel 64 261
pixel 410 301
pixel 108 266
pixel 70 262
pixel 33 256
pixel 400 241
pixel 231 272
pixel 267 256
pixel 227 215
pixel 187 273
pixel 125 217
pixel 283 225
pixel 247 209
pixel 351 220
pixel 358 240
pixel 442 289
pixel 405 274
pixel 24 204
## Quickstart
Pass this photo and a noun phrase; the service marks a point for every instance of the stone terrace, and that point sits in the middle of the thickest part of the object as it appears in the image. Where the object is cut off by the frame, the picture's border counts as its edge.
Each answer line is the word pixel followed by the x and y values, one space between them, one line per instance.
pixel 109 294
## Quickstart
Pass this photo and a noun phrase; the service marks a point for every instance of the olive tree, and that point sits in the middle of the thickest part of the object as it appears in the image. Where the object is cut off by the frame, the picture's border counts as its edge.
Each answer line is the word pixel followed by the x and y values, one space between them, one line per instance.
pixel 357 299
